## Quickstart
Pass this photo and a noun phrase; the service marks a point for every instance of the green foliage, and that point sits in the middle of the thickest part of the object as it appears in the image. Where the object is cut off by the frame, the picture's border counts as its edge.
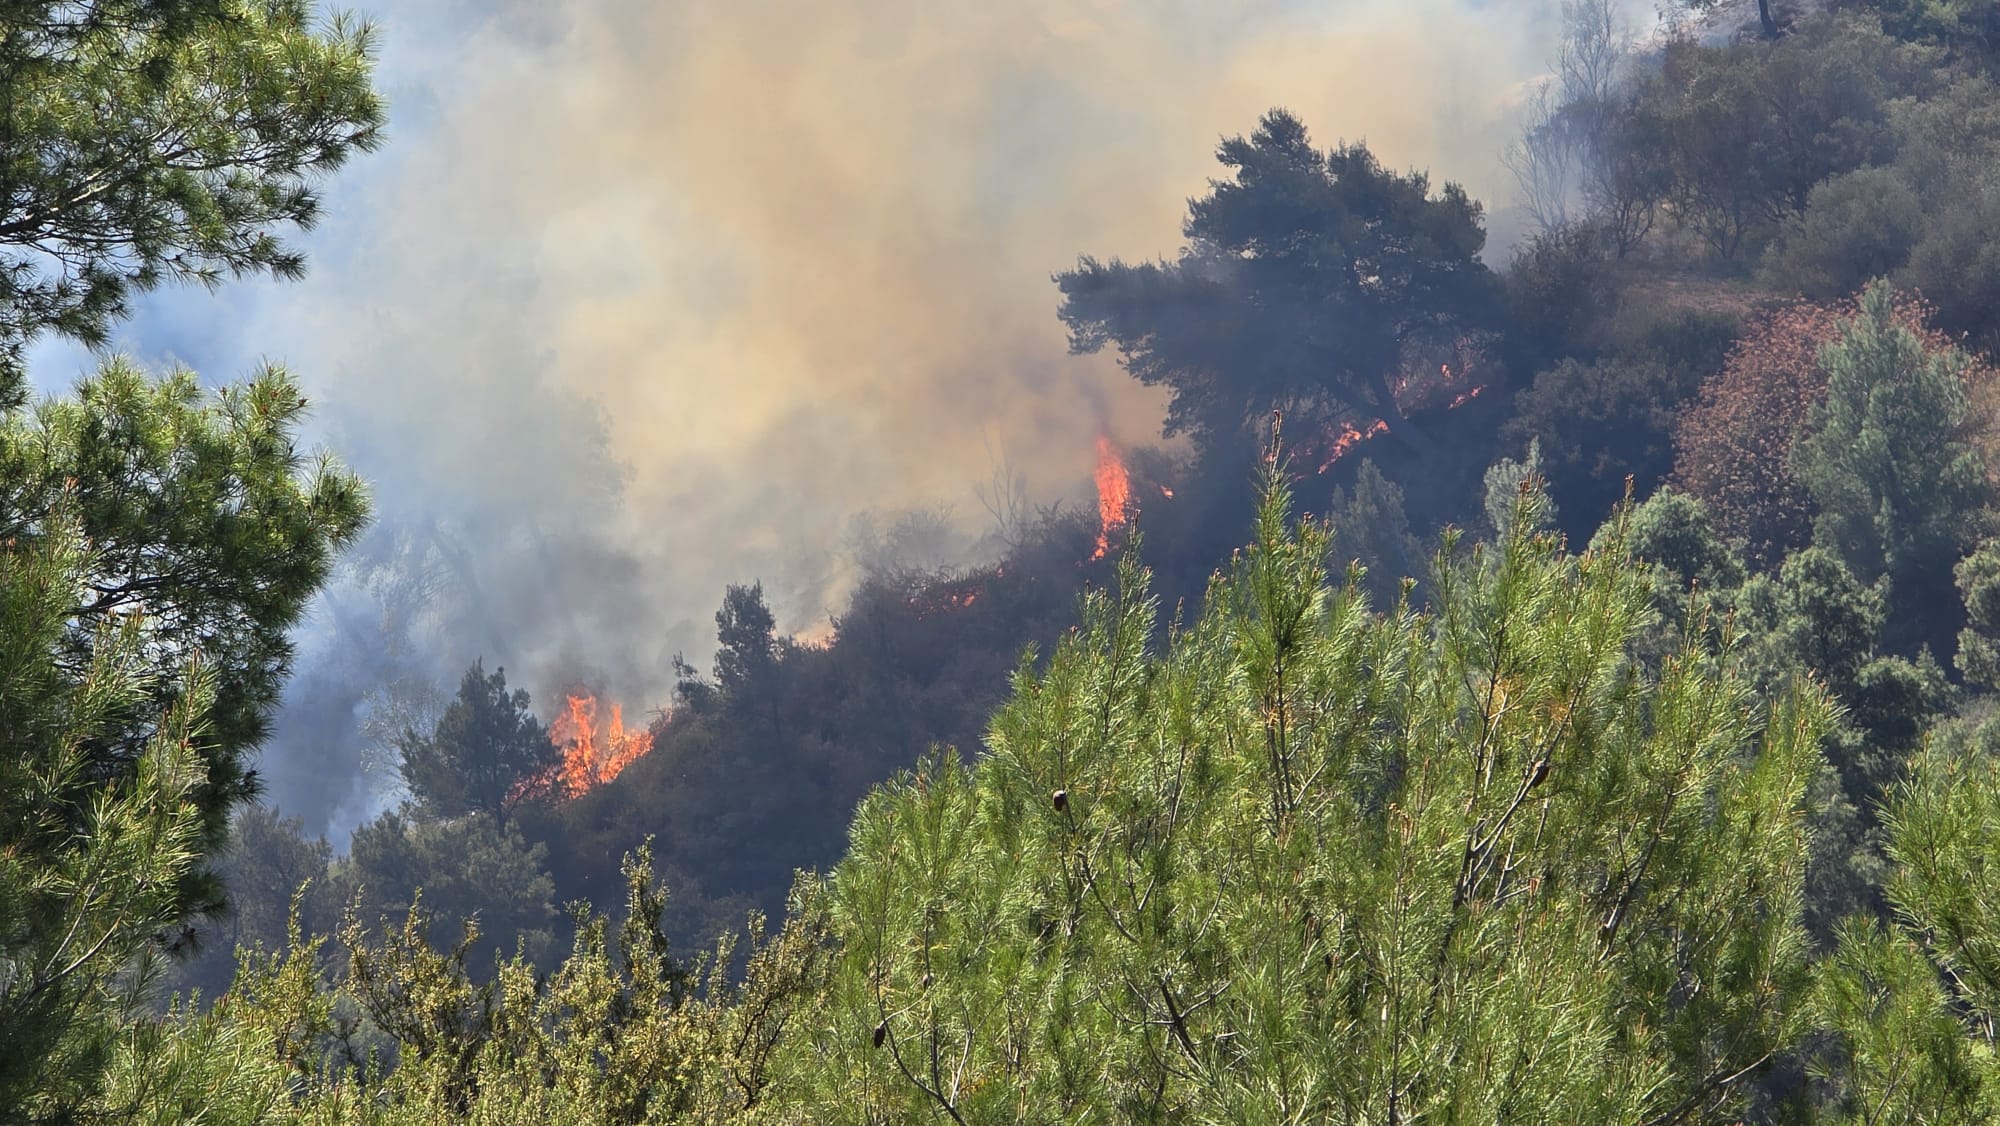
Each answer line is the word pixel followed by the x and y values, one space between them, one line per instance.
pixel 209 532
pixel 1818 616
pixel 1264 308
pixel 1967 24
pixel 1856 227
pixel 1956 259
pixel 1507 482
pixel 148 140
pixel 745 632
pixel 268 860
pixel 483 748
pixel 1947 146
pixel 464 867
pixel 1560 294
pixel 622 1031
pixel 1979 643
pixel 1599 423
pixel 1671 530
pixel 1888 455
pixel 1746 132
pixel 1915 1005
pixel 1903 1054
pixel 1368 526
pixel 90 866
pixel 1309 864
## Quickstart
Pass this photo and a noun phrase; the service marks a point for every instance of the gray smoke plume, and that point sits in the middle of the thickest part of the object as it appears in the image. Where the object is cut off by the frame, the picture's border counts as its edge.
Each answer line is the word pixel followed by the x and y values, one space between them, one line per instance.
pixel 648 297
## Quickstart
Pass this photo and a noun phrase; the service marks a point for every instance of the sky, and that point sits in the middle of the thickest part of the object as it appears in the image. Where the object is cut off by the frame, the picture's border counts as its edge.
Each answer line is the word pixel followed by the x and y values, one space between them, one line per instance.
pixel 646 297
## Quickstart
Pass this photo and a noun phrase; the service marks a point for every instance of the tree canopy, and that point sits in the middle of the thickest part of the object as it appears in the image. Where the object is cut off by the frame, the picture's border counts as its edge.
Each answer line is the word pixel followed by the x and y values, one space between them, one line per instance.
pixel 157 541
pixel 485 745
pixel 151 140
pixel 1308 280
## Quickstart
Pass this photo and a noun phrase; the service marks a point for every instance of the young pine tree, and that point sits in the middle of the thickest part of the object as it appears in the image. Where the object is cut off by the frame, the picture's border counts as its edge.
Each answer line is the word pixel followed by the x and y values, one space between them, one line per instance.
pixel 90 865
pixel 1301 862
pixel 1889 456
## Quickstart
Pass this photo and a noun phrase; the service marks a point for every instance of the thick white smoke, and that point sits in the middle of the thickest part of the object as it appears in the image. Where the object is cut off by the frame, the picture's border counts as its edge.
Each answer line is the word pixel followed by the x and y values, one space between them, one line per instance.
pixel 648 297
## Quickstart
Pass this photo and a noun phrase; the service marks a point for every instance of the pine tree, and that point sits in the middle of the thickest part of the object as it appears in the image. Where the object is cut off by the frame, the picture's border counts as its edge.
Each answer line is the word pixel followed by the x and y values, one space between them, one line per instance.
pixel 151 140
pixel 1888 456
pixel 484 746
pixel 91 864
pixel 209 530
pixel 1302 862
pixel 1913 1005
pixel 1308 279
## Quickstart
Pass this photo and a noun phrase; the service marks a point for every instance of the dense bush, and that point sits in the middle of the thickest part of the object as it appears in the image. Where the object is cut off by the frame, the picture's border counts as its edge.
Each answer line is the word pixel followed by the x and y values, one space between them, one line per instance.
pixel 1856 227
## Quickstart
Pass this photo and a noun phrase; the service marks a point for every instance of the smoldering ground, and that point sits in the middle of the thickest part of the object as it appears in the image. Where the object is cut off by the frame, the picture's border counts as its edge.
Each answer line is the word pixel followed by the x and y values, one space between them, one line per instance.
pixel 645 298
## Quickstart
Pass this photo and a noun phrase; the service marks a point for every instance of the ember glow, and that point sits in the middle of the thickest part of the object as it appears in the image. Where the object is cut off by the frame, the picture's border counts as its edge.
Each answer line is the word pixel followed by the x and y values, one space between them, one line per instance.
pixel 1349 437
pixel 1409 398
pixel 1465 397
pixel 1114 493
pixel 592 757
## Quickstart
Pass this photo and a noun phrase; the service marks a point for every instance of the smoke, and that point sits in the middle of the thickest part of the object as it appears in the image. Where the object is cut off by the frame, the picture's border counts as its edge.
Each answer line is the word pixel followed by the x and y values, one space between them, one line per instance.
pixel 645 298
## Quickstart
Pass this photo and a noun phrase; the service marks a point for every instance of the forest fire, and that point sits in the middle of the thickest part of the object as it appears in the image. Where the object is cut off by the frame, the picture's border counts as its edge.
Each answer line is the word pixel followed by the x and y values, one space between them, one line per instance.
pixel 588 759
pixel 1349 437
pixel 1341 440
pixel 1114 493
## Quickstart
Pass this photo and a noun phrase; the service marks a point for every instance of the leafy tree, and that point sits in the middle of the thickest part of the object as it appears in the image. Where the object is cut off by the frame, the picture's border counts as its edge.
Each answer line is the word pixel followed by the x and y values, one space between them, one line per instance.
pixel 746 636
pixel 1956 260
pixel 1599 423
pixel 1672 530
pixel 147 140
pixel 1888 456
pixel 459 868
pixel 1972 25
pixel 1733 445
pixel 1766 20
pixel 1819 617
pixel 269 860
pixel 1947 146
pixel 484 746
pixel 1856 227
pixel 1749 130
pixel 1632 176
pixel 1308 280
pixel 1306 863
pixel 1561 295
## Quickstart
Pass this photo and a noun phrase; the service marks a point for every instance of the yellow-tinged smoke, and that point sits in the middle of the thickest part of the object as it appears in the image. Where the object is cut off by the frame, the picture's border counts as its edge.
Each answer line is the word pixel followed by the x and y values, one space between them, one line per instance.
pixel 706 278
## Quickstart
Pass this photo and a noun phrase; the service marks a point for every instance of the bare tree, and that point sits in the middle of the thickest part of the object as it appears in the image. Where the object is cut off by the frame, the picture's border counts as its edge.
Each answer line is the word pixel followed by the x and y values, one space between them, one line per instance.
pixel 1563 139
pixel 1595 40
pixel 1541 160
pixel 1005 498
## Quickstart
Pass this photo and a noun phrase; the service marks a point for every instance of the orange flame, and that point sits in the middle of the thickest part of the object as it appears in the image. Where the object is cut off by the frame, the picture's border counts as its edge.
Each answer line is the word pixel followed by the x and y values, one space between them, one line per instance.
pixel 1114 493
pixel 1465 397
pixel 1349 437
pixel 587 761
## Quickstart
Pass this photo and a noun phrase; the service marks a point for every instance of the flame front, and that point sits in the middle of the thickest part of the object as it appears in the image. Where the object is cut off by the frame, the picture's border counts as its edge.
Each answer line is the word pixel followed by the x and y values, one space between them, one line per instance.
pixel 1349 437
pixel 589 761
pixel 1114 493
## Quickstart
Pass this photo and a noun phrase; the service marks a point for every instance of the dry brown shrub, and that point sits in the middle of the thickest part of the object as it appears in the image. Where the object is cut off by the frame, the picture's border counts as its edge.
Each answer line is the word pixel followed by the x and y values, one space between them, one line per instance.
pixel 1733 445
